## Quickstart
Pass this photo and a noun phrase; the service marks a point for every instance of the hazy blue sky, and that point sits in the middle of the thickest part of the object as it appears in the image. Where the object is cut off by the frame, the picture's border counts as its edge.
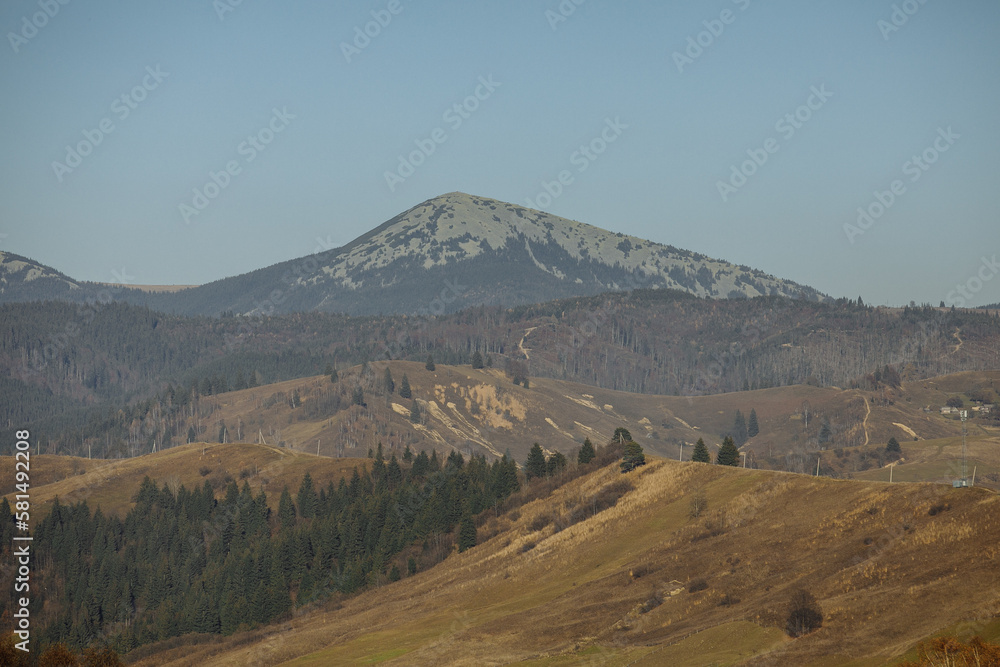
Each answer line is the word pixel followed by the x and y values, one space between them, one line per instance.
pixel 199 81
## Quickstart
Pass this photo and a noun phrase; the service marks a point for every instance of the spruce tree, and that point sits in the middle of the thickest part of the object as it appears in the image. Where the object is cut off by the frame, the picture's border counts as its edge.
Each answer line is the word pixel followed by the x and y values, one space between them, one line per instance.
pixel 307 498
pixel 388 382
pixel 477 359
pixel 466 533
pixel 739 429
pixel 700 453
pixel 824 433
pixel 535 465
pixel 430 363
pixel 753 428
pixel 393 472
pixel 728 454
pixel 621 435
pixel 555 464
pixel 286 509
pixel 634 456
pixel 404 387
pixel 587 453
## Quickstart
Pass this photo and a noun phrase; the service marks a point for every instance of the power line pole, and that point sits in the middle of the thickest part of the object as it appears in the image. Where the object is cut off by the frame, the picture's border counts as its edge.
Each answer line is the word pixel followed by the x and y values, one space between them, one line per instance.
pixel 965 460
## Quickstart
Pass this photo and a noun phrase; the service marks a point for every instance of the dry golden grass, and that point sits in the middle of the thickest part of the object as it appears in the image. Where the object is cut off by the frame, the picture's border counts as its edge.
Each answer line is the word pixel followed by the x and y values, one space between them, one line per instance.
pixel 886 570
pixel 112 484
pixel 483 409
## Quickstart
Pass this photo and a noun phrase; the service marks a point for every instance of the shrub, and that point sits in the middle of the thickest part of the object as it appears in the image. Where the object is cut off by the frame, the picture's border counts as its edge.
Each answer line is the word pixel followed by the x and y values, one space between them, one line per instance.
pixel 540 521
pixel 804 614
pixel 654 600
pixel 938 508
pixel 696 585
pixel 640 571
pixel 699 503
pixel 951 651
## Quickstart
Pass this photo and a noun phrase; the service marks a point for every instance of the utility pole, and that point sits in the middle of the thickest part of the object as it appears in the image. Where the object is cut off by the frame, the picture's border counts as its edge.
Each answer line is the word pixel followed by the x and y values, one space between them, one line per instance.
pixel 965 461
pixel 680 454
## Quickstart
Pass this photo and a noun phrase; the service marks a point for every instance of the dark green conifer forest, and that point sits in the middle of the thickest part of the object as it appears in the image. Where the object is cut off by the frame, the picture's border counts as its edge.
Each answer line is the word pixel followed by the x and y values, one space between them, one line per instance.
pixel 182 561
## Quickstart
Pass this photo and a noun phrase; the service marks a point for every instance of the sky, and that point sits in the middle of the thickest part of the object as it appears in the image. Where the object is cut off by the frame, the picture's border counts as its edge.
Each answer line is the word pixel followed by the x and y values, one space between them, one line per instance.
pixel 850 145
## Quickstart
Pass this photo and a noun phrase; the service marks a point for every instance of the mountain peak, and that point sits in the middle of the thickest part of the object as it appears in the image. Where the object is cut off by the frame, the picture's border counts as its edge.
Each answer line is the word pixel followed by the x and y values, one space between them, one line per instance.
pixel 454 251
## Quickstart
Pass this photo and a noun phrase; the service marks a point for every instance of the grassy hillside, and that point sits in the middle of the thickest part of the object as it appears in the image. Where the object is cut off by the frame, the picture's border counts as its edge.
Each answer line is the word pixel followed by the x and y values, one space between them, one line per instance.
pixel 113 484
pixel 482 411
pixel 889 565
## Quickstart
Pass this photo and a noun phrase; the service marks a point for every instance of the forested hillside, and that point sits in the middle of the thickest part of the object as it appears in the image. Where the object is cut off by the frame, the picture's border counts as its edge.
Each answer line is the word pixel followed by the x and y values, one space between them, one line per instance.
pixel 130 372
pixel 182 561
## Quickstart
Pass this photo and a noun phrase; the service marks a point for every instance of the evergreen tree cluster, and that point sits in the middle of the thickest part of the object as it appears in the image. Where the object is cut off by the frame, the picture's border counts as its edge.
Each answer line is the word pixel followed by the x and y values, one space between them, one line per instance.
pixel 183 561
pixel 729 453
pixel 538 466
pixel 744 428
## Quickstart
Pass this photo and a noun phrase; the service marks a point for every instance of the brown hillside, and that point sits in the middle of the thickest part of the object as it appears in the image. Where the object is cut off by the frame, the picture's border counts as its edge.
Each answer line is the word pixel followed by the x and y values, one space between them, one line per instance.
pixel 889 565
pixel 483 412
pixel 112 484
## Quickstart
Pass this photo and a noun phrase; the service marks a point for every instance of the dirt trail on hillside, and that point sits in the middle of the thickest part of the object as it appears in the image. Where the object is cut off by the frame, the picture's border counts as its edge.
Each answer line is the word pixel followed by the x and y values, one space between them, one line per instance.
pixel 906 428
pixel 957 337
pixel 864 424
pixel 524 338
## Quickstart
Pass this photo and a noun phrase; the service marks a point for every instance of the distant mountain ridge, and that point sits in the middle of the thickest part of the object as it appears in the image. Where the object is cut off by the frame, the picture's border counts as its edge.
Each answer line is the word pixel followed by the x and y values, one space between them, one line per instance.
pixel 23 279
pixel 459 250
